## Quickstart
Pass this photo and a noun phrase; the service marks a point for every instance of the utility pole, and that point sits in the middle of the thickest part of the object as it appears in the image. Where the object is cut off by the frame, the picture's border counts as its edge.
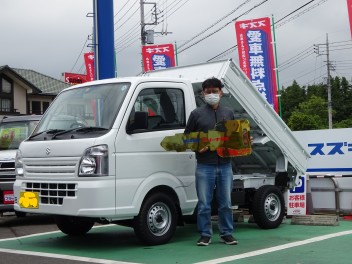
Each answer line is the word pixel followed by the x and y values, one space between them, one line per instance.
pixel 328 65
pixel 143 24
pixel 142 29
pixel 329 83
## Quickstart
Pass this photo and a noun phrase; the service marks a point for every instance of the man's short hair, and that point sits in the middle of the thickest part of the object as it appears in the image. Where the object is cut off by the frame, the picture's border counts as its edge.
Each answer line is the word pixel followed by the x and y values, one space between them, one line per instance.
pixel 212 83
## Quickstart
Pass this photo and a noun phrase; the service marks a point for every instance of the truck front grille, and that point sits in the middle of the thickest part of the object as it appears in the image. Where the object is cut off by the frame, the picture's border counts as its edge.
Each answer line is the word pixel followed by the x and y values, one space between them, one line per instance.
pixel 7 171
pixel 63 167
pixel 52 193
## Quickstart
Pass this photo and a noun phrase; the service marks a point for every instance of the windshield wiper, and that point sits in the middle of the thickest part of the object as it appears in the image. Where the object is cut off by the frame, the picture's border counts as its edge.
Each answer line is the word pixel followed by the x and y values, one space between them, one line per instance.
pixel 48 131
pixel 79 129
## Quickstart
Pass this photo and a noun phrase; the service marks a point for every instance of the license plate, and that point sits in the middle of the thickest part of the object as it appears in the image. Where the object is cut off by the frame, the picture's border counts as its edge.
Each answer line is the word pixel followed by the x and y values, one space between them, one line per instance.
pixel 8 197
pixel 29 200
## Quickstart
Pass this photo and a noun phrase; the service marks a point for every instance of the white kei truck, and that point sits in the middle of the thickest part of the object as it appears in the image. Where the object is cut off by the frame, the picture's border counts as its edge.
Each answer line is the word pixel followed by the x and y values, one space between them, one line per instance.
pixel 96 156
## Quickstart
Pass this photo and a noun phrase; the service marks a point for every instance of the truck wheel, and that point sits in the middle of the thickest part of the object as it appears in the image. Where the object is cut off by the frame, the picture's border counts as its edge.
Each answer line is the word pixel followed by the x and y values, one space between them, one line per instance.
pixel 74 226
pixel 268 207
pixel 20 214
pixel 157 219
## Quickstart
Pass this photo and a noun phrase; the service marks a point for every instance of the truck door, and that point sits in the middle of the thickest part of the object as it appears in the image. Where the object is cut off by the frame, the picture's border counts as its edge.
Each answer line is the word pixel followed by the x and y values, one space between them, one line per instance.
pixel 156 110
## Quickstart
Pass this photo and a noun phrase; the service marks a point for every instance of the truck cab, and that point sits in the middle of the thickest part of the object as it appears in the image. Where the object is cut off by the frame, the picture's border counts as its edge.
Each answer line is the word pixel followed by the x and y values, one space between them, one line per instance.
pixel 96 154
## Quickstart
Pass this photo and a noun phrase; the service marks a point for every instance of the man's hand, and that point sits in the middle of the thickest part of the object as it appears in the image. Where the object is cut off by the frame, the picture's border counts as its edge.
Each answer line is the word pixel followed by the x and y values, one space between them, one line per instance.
pixel 203 149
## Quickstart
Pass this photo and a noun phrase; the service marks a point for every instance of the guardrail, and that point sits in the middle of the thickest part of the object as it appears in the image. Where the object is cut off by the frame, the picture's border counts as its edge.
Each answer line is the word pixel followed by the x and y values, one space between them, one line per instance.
pixel 331 194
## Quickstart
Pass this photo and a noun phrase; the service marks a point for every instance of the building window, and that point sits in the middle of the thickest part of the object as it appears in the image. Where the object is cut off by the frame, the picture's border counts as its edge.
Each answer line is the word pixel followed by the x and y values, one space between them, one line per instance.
pixel 36 107
pixel 6 95
pixel 45 106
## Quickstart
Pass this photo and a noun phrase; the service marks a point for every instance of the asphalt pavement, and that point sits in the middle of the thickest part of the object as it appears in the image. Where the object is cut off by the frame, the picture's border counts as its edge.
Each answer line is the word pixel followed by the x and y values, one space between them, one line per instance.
pixel 12 226
pixel 35 239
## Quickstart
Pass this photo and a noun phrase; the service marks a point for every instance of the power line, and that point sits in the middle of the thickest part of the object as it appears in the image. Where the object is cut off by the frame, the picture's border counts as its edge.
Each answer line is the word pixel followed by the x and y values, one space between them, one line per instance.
pixel 127 20
pixel 176 9
pixel 305 74
pixel 297 55
pixel 122 8
pixel 79 56
pixel 295 61
pixel 133 34
pixel 215 23
pixel 125 12
pixel 276 23
pixel 207 36
pixel 294 11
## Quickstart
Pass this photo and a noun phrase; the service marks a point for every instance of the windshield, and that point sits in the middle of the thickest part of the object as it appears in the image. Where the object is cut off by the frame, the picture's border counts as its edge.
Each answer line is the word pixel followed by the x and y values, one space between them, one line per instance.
pixel 90 106
pixel 13 133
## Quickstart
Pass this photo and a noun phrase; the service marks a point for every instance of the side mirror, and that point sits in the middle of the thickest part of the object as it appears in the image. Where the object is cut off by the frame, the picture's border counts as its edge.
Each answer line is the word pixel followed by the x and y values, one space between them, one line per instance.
pixel 140 122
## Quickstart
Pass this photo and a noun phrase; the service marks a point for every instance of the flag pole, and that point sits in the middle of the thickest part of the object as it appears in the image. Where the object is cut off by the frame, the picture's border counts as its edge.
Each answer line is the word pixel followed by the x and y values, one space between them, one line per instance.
pixel 276 67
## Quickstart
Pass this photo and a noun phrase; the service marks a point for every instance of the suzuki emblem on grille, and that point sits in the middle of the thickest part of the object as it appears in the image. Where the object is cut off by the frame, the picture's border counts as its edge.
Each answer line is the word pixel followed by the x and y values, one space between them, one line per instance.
pixel 47 151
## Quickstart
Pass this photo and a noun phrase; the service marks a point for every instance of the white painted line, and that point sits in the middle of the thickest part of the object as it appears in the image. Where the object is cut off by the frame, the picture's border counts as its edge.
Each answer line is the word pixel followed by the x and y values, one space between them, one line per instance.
pixel 33 235
pixel 44 233
pixel 273 249
pixel 60 256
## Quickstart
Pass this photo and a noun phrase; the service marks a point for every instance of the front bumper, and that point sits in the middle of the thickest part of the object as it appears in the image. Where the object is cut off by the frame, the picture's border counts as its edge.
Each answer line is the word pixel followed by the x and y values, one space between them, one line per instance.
pixel 90 197
pixel 5 186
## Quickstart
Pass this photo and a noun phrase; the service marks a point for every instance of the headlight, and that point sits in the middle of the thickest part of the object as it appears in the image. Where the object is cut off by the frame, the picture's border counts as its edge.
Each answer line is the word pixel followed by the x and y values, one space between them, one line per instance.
pixel 94 162
pixel 19 163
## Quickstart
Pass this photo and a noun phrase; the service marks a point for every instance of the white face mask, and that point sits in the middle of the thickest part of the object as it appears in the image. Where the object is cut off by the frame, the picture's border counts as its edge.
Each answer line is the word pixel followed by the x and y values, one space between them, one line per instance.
pixel 212 99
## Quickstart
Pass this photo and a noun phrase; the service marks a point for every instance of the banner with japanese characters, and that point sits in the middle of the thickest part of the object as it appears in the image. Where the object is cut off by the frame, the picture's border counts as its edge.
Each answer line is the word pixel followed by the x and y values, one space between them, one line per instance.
pixel 156 57
pixel 89 61
pixel 256 56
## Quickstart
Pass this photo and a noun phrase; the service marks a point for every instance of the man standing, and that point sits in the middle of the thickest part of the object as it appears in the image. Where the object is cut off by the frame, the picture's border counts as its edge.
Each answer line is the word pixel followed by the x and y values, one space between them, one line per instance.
pixel 212 170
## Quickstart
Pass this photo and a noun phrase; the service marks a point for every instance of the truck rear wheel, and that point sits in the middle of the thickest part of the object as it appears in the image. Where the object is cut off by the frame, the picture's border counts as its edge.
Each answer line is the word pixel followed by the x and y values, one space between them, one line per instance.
pixel 268 207
pixel 74 226
pixel 157 219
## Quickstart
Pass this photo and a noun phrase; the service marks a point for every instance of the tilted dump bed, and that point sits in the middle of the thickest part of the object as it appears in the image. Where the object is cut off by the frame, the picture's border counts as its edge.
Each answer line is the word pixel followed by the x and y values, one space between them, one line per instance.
pixel 248 104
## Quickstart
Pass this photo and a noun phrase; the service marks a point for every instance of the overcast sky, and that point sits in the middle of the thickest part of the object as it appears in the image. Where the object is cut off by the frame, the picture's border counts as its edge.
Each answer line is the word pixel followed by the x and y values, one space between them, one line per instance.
pixel 50 36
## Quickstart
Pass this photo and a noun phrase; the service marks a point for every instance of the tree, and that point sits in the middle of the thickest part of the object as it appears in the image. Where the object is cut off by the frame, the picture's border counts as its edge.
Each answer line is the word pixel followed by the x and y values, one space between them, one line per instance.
pixel 290 98
pixel 341 99
pixel 312 114
pixel 293 96
pixel 301 121
pixel 317 90
pixel 344 123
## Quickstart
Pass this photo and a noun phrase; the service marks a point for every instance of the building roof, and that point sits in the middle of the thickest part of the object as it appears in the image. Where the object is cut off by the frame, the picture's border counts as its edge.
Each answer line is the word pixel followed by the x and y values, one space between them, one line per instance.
pixel 43 84
pixel 46 84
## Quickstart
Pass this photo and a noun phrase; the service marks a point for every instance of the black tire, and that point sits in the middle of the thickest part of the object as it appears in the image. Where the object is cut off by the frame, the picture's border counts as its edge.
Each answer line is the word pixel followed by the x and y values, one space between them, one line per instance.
pixel 157 220
pixel 268 207
pixel 74 226
pixel 20 214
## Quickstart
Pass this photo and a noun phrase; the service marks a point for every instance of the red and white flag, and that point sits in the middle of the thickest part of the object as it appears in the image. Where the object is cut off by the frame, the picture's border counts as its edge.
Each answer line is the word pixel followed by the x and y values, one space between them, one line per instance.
pixel 349 8
pixel 156 57
pixel 89 61
pixel 256 56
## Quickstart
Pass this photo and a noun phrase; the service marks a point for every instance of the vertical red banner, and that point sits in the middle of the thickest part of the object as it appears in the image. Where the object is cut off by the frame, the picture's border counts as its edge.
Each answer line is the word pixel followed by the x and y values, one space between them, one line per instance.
pixel 156 57
pixel 256 56
pixel 89 61
pixel 349 8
